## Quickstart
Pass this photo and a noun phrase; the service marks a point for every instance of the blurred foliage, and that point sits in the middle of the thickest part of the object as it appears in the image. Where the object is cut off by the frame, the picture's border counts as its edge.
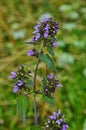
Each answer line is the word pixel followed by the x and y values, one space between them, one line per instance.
pixel 17 19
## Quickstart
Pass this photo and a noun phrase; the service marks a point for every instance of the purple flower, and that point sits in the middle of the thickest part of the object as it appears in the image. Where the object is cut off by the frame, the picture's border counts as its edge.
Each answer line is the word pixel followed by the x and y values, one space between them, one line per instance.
pixel 58 85
pixel 54 113
pixel 13 75
pixel 46 34
pixel 15 89
pixel 50 76
pixel 30 53
pixel 47 27
pixel 59 121
pixel 54 44
pixel 32 39
pixel 20 83
pixel 52 117
pixel 36 31
pixel 64 127
pixel 44 20
pixel 59 113
pixel 37 26
pixel 37 36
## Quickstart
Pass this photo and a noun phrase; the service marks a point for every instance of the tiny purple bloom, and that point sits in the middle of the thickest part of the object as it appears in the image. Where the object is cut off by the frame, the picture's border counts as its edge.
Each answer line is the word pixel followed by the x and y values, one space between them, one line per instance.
pixel 20 83
pixel 64 127
pixel 59 121
pixel 54 113
pixel 52 117
pixel 58 85
pixel 37 36
pixel 32 39
pixel 50 76
pixel 36 31
pixel 30 53
pixel 13 75
pixel 54 44
pixel 44 20
pixel 46 34
pixel 47 27
pixel 59 113
pixel 15 89
pixel 38 25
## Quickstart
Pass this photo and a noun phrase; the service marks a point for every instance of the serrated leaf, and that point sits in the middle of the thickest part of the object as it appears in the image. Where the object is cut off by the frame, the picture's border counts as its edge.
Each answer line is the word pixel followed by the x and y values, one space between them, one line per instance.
pixel 22 104
pixel 47 60
pixel 50 50
pixel 35 127
pixel 48 99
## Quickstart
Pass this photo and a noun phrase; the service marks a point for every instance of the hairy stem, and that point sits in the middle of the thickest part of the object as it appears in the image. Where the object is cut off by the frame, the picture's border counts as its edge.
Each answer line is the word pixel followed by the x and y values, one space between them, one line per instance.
pixel 35 73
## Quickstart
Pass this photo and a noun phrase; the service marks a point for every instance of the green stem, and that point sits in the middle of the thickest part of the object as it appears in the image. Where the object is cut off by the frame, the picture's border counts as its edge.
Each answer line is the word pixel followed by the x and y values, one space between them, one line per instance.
pixel 35 73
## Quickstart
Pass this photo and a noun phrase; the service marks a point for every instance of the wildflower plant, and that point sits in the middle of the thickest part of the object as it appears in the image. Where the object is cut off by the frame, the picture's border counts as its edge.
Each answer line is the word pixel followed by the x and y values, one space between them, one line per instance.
pixel 25 83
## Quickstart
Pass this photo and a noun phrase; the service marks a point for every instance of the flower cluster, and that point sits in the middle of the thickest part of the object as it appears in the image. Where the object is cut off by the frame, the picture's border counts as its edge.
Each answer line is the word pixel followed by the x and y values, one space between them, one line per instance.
pixel 50 83
pixel 56 121
pixel 45 31
pixel 20 77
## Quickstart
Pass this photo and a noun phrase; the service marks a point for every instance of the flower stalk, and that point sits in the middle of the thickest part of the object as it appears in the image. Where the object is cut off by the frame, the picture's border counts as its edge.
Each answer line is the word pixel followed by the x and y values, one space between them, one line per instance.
pixel 35 73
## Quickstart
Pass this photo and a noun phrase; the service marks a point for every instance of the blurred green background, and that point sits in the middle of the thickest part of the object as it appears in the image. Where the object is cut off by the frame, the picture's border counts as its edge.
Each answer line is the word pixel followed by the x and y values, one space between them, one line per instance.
pixel 17 18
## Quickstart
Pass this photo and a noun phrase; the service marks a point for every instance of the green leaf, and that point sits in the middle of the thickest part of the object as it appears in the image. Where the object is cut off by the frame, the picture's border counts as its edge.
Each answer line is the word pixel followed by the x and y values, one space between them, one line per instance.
pixel 35 127
pixel 48 61
pixel 50 50
pixel 29 84
pixel 26 68
pixel 44 81
pixel 48 99
pixel 22 104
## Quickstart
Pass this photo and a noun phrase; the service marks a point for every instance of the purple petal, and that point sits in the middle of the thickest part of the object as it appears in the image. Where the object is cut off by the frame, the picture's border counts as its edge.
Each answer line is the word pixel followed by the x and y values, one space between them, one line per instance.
pixel 59 113
pixel 30 53
pixel 37 36
pixel 59 121
pixel 46 34
pixel 50 76
pixel 52 117
pixel 36 31
pixel 32 39
pixel 15 89
pixel 11 77
pixel 54 113
pixel 20 83
pixel 44 20
pixel 64 127
pixel 58 85
pixel 54 44
pixel 37 26
pixel 47 27
pixel 13 73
